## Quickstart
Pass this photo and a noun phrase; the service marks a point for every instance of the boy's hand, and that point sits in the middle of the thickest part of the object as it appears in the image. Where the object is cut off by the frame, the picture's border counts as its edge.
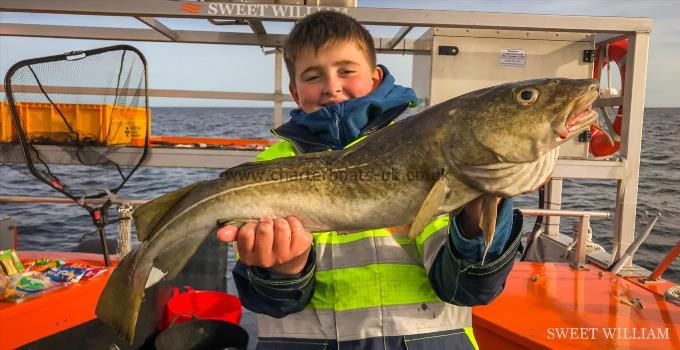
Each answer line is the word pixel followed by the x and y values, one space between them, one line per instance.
pixel 280 244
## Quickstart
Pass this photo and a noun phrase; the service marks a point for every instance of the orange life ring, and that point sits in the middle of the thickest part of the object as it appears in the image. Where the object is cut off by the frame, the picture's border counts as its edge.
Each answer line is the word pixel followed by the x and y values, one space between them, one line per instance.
pixel 616 51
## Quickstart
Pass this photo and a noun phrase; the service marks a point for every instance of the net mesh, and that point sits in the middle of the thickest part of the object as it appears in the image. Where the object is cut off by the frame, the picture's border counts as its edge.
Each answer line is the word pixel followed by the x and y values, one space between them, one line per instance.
pixel 74 111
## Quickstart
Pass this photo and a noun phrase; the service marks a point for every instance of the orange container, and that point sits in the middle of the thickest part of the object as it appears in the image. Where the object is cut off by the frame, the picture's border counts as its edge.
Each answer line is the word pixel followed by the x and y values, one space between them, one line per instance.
pixel 7 130
pixel 128 125
pixel 206 305
pixel 103 124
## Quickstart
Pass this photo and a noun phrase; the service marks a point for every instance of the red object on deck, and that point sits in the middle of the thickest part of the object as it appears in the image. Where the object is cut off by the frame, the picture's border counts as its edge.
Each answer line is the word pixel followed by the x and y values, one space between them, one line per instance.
pixel 56 310
pixel 206 305
pixel 667 261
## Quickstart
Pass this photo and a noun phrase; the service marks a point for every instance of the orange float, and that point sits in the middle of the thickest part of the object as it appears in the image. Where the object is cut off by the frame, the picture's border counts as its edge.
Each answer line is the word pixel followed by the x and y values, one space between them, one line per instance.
pixel 616 51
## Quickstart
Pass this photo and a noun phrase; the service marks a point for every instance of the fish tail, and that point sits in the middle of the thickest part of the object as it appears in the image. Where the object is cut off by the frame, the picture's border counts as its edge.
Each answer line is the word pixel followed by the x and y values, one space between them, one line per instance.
pixel 120 301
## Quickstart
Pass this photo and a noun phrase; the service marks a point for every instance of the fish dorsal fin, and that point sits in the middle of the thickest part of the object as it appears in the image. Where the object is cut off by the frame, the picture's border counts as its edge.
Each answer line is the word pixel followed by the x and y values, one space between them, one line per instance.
pixel 487 221
pixel 148 215
pixel 430 206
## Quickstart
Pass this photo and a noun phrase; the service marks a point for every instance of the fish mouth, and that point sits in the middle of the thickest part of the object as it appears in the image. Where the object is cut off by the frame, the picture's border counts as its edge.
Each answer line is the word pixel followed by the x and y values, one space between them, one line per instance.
pixel 580 116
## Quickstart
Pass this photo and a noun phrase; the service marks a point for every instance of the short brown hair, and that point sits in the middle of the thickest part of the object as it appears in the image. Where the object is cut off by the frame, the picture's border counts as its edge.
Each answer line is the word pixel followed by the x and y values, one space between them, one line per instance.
pixel 322 29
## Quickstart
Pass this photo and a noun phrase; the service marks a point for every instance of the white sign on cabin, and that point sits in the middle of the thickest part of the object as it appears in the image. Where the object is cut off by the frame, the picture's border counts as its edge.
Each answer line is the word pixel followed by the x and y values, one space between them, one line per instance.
pixel 513 57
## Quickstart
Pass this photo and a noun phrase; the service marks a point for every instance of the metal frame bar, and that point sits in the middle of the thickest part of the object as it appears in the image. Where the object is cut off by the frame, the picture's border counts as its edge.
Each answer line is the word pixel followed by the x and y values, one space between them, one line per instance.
pixel 374 16
pixel 180 36
pixel 609 39
pixel 608 102
pixel 159 157
pixel 579 262
pixel 62 200
pixel 278 81
pixel 147 35
pixel 576 168
pixel 553 200
pixel 211 158
pixel 159 27
pixel 549 212
pixel 257 27
pixel 203 94
pixel 403 31
pixel 631 141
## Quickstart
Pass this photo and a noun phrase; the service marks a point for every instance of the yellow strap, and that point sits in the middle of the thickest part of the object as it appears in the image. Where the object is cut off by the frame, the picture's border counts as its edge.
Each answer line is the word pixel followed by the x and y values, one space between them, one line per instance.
pixel 355 141
pixel 280 149
pixel 471 336
pixel 434 226
pixel 332 237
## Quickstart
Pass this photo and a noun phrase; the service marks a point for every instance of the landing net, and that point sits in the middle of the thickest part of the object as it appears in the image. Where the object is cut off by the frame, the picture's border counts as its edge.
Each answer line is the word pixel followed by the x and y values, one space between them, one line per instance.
pixel 81 120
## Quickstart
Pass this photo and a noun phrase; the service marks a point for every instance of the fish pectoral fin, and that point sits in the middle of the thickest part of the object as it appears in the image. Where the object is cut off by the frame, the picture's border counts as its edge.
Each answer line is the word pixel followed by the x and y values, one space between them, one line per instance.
pixel 172 259
pixel 155 275
pixel 168 264
pixel 487 221
pixel 429 207
pixel 150 214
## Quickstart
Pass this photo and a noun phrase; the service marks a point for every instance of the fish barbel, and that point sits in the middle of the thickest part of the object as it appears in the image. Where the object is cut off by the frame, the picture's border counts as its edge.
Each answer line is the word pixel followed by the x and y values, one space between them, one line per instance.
pixel 500 141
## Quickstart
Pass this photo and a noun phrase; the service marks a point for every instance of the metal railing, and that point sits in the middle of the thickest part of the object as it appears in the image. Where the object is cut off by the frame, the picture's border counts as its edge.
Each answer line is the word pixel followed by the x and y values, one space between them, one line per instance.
pixel 579 261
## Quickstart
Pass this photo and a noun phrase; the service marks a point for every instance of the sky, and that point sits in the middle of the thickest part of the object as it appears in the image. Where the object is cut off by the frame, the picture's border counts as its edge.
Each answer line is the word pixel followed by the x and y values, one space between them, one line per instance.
pixel 248 69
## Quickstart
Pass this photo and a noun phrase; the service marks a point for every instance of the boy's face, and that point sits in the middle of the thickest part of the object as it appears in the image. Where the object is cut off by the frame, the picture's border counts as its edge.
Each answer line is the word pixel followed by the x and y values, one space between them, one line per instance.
pixel 332 75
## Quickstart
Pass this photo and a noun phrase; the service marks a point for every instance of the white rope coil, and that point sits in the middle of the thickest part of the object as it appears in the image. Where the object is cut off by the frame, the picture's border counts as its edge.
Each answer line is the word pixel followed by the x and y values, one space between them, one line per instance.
pixel 124 229
pixel 673 295
pixel 591 246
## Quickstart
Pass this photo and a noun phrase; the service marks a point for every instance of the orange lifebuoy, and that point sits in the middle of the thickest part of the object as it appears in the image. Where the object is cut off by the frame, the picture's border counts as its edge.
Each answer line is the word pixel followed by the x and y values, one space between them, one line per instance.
pixel 616 51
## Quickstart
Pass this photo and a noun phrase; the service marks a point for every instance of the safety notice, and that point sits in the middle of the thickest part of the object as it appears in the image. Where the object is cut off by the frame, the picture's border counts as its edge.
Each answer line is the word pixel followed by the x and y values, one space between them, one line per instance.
pixel 513 57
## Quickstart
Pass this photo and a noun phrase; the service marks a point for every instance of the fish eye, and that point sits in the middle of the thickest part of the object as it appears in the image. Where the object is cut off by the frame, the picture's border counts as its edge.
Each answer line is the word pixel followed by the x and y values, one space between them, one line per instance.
pixel 526 96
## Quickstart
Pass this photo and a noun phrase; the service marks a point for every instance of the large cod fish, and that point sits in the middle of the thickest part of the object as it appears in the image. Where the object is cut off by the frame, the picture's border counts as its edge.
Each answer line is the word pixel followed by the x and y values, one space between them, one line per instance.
pixel 500 141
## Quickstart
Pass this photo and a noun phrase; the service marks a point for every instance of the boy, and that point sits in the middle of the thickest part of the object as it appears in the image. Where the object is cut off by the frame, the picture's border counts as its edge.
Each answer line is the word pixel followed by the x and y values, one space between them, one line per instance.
pixel 373 289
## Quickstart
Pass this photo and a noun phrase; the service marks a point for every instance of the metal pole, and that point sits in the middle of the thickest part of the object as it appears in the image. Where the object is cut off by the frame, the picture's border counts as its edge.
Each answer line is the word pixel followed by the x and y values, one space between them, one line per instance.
pixel 278 105
pixel 628 256
pixel 59 200
pixel 552 212
pixel 105 248
pixel 553 201
pixel 667 261
pixel 579 262
pixel 631 139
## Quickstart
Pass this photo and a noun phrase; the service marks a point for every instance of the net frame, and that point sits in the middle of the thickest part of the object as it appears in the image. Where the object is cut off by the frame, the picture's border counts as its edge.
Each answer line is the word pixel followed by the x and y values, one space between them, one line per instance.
pixel 99 214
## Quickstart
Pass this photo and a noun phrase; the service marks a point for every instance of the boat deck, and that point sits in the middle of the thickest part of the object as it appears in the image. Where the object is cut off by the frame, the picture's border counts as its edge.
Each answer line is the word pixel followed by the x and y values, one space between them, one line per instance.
pixel 551 305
